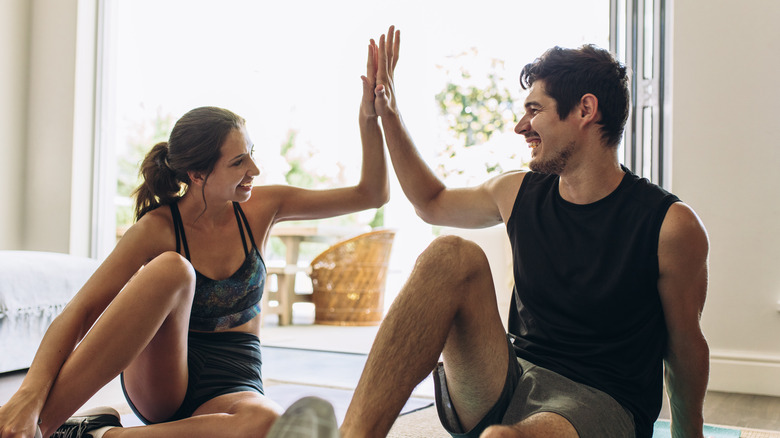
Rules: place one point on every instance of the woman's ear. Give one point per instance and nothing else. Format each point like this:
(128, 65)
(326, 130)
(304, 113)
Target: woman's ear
(197, 178)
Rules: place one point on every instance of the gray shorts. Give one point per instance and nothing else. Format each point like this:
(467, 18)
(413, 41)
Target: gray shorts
(530, 390)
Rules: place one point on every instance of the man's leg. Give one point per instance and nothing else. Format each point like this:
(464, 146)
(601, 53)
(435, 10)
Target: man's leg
(447, 305)
(542, 425)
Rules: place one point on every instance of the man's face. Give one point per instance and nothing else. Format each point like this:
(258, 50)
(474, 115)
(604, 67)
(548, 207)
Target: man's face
(551, 139)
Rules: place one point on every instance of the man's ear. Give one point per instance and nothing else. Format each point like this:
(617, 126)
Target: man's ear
(198, 178)
(589, 109)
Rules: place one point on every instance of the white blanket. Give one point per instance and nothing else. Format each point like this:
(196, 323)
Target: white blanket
(34, 288)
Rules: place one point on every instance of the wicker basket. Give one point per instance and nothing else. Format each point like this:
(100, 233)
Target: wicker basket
(348, 280)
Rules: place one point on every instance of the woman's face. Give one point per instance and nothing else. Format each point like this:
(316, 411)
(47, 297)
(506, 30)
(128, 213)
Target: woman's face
(233, 173)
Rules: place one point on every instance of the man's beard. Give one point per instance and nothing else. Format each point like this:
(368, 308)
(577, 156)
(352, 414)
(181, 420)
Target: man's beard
(553, 165)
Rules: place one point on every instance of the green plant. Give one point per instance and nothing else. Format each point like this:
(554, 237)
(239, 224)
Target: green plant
(473, 109)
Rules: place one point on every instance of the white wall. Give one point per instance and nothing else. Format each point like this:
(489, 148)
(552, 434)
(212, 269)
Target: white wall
(14, 47)
(48, 68)
(725, 107)
(726, 158)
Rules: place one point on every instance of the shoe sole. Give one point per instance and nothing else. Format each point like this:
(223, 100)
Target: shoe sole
(308, 417)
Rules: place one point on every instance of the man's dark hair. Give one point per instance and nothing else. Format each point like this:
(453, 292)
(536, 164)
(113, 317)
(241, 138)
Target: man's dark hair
(569, 74)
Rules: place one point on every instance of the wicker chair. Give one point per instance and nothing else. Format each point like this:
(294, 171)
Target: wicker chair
(348, 280)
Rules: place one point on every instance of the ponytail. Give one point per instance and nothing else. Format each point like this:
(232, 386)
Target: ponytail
(160, 185)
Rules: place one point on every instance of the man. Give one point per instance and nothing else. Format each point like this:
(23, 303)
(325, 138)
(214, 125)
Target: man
(610, 273)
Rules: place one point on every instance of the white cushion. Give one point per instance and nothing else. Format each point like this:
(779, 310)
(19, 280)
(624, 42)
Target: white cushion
(34, 288)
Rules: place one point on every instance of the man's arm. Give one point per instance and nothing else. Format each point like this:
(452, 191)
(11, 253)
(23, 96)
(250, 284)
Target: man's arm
(475, 207)
(682, 256)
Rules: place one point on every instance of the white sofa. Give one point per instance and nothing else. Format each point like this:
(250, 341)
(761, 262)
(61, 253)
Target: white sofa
(34, 288)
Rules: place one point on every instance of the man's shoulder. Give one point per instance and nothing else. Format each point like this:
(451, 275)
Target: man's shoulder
(646, 192)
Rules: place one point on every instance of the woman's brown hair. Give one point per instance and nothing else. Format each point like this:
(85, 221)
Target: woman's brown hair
(193, 146)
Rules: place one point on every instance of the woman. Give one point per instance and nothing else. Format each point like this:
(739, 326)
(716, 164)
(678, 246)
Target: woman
(175, 306)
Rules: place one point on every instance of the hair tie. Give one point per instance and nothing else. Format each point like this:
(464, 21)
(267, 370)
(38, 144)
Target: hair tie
(162, 157)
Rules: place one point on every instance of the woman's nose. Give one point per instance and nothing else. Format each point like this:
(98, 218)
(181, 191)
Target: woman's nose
(253, 169)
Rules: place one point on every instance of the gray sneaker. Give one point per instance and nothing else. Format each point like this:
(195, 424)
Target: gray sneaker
(309, 417)
(82, 423)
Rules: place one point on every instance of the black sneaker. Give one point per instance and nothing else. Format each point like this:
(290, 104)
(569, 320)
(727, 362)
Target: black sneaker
(81, 424)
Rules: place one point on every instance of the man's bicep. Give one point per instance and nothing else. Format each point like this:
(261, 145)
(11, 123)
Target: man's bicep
(481, 206)
(682, 257)
(462, 208)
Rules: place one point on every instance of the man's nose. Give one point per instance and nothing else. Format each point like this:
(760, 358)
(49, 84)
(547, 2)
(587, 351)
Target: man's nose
(522, 126)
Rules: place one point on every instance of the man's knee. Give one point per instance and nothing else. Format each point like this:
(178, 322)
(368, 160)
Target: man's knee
(456, 254)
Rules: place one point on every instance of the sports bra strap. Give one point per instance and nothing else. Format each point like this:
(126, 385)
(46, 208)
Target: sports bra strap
(181, 239)
(240, 228)
(178, 227)
(240, 212)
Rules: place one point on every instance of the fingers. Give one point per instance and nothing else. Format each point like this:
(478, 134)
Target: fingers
(371, 63)
(381, 60)
(392, 49)
(386, 59)
(390, 44)
(396, 47)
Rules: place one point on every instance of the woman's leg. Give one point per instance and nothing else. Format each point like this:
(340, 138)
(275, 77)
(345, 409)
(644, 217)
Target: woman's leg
(240, 415)
(143, 330)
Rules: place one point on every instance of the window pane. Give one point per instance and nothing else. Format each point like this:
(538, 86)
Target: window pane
(647, 142)
(293, 71)
(649, 38)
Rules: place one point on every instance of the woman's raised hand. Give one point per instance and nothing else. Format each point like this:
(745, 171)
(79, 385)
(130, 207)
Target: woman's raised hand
(369, 83)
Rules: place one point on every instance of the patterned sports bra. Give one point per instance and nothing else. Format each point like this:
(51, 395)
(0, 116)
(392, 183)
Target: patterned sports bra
(228, 303)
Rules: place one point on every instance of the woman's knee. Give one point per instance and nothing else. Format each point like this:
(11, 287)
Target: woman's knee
(168, 277)
(171, 267)
(254, 420)
(173, 261)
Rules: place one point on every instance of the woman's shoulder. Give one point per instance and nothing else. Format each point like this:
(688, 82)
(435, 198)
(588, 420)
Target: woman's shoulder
(159, 217)
(154, 227)
(147, 238)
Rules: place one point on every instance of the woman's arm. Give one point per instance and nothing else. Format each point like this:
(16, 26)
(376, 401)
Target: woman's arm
(373, 189)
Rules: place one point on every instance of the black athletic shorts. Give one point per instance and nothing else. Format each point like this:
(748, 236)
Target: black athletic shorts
(219, 363)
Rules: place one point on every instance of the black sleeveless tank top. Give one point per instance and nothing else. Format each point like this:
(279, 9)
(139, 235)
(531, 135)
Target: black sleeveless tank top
(228, 303)
(586, 302)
